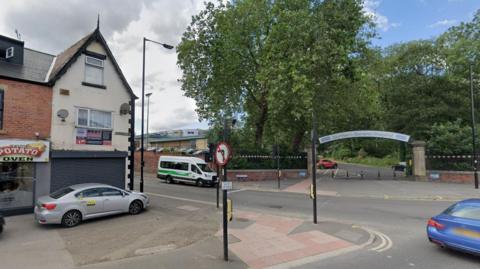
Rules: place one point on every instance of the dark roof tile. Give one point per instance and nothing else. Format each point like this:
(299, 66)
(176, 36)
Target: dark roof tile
(35, 66)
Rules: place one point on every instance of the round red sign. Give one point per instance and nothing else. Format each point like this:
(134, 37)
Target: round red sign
(223, 153)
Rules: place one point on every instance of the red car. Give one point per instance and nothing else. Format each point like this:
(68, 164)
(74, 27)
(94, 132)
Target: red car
(326, 164)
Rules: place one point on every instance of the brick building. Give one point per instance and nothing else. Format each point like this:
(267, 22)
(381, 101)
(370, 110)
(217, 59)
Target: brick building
(25, 124)
(64, 120)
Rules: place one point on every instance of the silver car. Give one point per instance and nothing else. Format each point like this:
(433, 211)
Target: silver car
(70, 205)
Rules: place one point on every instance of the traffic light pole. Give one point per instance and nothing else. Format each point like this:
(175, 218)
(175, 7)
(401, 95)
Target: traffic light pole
(314, 167)
(225, 179)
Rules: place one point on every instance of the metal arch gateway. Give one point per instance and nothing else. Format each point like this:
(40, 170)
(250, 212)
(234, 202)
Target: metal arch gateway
(365, 133)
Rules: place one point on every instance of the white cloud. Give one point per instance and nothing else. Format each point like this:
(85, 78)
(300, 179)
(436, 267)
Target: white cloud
(443, 23)
(382, 22)
(53, 25)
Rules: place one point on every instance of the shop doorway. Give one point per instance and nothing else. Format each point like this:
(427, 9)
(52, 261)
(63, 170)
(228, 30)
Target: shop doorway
(17, 186)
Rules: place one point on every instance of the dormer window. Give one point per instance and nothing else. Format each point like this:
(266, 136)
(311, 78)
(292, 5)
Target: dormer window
(93, 70)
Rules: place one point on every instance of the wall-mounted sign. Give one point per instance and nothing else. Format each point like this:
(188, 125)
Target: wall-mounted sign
(24, 150)
(86, 136)
(372, 134)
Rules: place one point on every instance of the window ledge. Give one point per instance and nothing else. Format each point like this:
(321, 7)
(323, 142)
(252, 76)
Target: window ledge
(3, 132)
(94, 85)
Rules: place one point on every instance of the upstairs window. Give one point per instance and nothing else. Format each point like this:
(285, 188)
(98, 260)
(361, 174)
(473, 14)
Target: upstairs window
(96, 119)
(93, 70)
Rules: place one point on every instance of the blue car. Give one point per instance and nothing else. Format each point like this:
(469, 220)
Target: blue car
(458, 227)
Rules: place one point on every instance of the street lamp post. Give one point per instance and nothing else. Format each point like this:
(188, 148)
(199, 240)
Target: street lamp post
(148, 116)
(474, 149)
(142, 148)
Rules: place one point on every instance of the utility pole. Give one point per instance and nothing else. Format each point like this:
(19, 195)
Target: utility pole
(474, 149)
(314, 164)
(142, 146)
(142, 134)
(148, 117)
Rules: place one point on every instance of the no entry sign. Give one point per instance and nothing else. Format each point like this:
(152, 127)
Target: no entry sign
(223, 153)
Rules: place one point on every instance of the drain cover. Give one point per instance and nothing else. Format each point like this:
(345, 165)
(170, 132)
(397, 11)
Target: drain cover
(275, 206)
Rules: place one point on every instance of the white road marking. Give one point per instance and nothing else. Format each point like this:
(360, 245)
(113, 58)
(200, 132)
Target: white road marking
(237, 190)
(181, 199)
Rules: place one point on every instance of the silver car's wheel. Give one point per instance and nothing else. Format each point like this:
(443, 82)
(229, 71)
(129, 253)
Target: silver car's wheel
(135, 207)
(71, 218)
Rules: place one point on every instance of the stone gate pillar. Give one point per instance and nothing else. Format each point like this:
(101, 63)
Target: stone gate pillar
(419, 169)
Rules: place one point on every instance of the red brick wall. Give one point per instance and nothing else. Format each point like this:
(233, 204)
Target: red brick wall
(151, 163)
(27, 109)
(462, 177)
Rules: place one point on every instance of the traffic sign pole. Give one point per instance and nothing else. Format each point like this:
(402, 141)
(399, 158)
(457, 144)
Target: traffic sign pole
(218, 184)
(223, 154)
(225, 221)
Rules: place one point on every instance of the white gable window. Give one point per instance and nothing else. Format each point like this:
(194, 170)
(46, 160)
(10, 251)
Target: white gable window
(90, 118)
(93, 70)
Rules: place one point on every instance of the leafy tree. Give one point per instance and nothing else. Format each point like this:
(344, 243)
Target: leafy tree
(220, 55)
(451, 137)
(417, 92)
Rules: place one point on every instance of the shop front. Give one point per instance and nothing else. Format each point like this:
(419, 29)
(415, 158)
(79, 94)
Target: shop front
(23, 165)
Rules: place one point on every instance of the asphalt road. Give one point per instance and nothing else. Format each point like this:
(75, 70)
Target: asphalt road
(402, 221)
(367, 172)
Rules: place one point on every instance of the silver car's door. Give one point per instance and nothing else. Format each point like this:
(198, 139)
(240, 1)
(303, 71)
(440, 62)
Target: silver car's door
(91, 200)
(114, 200)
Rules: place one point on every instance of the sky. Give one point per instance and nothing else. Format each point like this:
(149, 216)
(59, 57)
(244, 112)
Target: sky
(53, 25)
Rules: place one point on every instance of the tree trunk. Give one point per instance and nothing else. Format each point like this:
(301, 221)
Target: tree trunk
(298, 139)
(260, 123)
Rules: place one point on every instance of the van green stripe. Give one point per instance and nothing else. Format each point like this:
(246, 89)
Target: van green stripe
(173, 173)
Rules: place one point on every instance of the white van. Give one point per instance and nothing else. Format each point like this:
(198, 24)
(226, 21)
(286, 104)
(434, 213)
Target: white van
(185, 169)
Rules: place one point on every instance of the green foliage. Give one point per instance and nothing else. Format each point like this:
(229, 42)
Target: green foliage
(273, 61)
(426, 82)
(276, 63)
(450, 138)
(387, 161)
